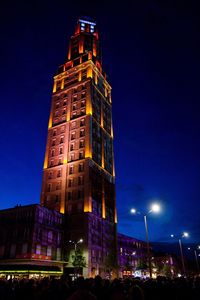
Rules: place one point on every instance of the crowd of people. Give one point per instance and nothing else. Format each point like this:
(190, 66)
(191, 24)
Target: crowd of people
(100, 289)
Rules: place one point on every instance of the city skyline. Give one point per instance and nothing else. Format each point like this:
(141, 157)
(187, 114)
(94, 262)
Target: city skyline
(156, 130)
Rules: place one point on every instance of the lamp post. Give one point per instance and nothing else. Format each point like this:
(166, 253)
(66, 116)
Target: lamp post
(155, 208)
(184, 234)
(196, 257)
(75, 248)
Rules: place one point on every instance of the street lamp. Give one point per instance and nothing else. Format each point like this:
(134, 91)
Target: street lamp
(196, 256)
(75, 248)
(183, 235)
(155, 208)
(76, 243)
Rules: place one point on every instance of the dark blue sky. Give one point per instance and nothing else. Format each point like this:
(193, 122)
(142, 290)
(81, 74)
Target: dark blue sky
(151, 54)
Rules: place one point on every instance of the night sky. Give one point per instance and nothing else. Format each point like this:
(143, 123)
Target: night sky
(151, 55)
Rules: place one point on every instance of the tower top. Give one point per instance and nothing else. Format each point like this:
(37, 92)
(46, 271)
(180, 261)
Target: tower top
(85, 40)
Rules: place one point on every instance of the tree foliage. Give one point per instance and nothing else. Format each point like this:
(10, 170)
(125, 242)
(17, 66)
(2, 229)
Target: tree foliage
(78, 260)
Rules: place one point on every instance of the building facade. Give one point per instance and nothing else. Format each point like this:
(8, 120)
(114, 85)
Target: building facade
(132, 256)
(79, 176)
(31, 241)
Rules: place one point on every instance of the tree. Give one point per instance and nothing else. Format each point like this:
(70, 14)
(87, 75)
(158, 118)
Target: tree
(78, 261)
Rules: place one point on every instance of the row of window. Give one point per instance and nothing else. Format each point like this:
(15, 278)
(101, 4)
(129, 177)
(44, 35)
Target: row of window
(75, 106)
(75, 133)
(72, 182)
(52, 175)
(74, 91)
(75, 195)
(74, 168)
(53, 186)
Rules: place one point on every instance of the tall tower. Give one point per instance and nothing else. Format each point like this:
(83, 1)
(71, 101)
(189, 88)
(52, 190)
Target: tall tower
(79, 176)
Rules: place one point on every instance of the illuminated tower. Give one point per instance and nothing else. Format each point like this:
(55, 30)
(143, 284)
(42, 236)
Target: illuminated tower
(78, 177)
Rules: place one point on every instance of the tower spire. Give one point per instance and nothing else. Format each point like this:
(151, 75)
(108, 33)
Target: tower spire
(85, 40)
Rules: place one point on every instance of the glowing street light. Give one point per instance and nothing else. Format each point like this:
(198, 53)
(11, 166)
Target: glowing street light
(155, 208)
(183, 235)
(76, 243)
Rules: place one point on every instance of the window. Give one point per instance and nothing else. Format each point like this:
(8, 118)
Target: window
(56, 113)
(74, 107)
(72, 156)
(82, 122)
(57, 105)
(61, 139)
(73, 124)
(82, 112)
(51, 163)
(80, 194)
(60, 161)
(52, 152)
(59, 173)
(50, 236)
(81, 155)
(81, 143)
(83, 95)
(58, 185)
(74, 98)
(61, 151)
(64, 102)
(70, 183)
(72, 147)
(53, 142)
(74, 114)
(49, 187)
(81, 167)
(50, 175)
(62, 128)
(38, 249)
(73, 135)
(49, 250)
(71, 169)
(80, 180)
(82, 103)
(82, 132)
(64, 111)
(54, 132)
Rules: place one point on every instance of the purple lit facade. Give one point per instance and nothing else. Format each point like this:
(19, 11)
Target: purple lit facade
(31, 241)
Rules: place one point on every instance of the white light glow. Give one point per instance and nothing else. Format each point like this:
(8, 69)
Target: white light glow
(185, 234)
(133, 210)
(155, 208)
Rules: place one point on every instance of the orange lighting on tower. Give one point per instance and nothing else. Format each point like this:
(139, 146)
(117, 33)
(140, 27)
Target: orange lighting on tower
(50, 121)
(54, 87)
(94, 49)
(79, 176)
(81, 46)
(79, 76)
(45, 161)
(89, 72)
(88, 205)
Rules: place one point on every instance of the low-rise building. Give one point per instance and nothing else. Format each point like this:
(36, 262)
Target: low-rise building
(31, 241)
(132, 256)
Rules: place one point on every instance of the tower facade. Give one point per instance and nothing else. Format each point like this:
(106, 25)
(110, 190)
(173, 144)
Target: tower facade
(79, 176)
